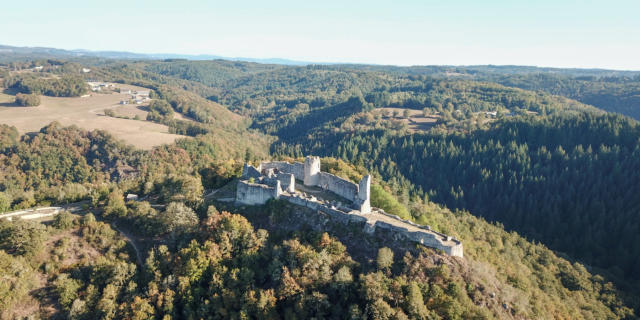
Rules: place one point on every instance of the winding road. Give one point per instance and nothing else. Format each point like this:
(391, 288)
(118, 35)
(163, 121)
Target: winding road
(35, 213)
(131, 240)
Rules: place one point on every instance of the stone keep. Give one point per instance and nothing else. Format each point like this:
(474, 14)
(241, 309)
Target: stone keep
(311, 171)
(364, 194)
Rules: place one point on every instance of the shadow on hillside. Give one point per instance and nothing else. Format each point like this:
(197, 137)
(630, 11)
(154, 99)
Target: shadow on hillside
(10, 105)
(284, 221)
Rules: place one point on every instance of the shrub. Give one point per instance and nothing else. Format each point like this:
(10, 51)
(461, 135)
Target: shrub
(64, 220)
(5, 202)
(88, 219)
(380, 198)
(385, 258)
(179, 217)
(22, 237)
(27, 100)
(115, 204)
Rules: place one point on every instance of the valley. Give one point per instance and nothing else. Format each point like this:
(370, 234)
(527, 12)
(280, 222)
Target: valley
(516, 176)
(321, 160)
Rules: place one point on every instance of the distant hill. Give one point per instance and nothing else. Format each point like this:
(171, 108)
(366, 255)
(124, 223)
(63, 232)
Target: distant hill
(504, 146)
(8, 53)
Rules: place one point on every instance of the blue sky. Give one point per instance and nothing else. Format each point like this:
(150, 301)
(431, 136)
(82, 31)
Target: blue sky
(560, 33)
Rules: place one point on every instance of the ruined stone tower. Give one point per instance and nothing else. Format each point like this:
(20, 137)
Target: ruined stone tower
(311, 171)
(364, 194)
(277, 180)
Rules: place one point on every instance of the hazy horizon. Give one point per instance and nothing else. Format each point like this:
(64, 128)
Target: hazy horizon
(557, 34)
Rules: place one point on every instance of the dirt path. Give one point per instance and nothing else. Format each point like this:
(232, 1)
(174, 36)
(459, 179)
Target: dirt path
(131, 240)
(72, 207)
(210, 194)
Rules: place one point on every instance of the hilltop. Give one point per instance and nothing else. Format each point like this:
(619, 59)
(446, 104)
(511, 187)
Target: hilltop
(502, 275)
(446, 146)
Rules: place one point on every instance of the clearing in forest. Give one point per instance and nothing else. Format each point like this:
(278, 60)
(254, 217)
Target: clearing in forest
(416, 120)
(88, 113)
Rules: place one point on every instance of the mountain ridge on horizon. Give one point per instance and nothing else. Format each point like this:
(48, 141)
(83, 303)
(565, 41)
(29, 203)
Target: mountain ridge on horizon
(115, 54)
(127, 55)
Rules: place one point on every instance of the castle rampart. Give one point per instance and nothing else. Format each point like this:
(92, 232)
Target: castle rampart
(296, 168)
(337, 185)
(309, 173)
(254, 193)
(276, 180)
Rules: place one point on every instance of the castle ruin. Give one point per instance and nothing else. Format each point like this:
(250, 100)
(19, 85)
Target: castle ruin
(306, 185)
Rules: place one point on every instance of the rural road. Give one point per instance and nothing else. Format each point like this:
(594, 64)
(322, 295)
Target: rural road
(33, 213)
(77, 206)
(131, 241)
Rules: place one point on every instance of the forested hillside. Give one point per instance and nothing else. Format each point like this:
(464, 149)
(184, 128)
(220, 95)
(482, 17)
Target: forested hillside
(569, 182)
(613, 94)
(61, 165)
(210, 73)
(200, 260)
(502, 144)
(559, 164)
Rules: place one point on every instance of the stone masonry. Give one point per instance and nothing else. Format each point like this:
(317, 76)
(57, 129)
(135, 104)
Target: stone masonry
(277, 180)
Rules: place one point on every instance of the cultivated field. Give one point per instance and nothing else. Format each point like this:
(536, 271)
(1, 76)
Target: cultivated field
(88, 113)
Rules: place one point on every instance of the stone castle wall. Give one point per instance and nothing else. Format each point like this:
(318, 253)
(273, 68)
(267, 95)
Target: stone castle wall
(337, 185)
(254, 193)
(296, 168)
(287, 181)
(427, 237)
(249, 172)
(257, 194)
(324, 180)
(430, 239)
(313, 204)
(272, 177)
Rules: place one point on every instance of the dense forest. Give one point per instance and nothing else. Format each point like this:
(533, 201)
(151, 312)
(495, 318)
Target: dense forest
(613, 94)
(217, 263)
(521, 173)
(613, 91)
(65, 86)
(507, 145)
